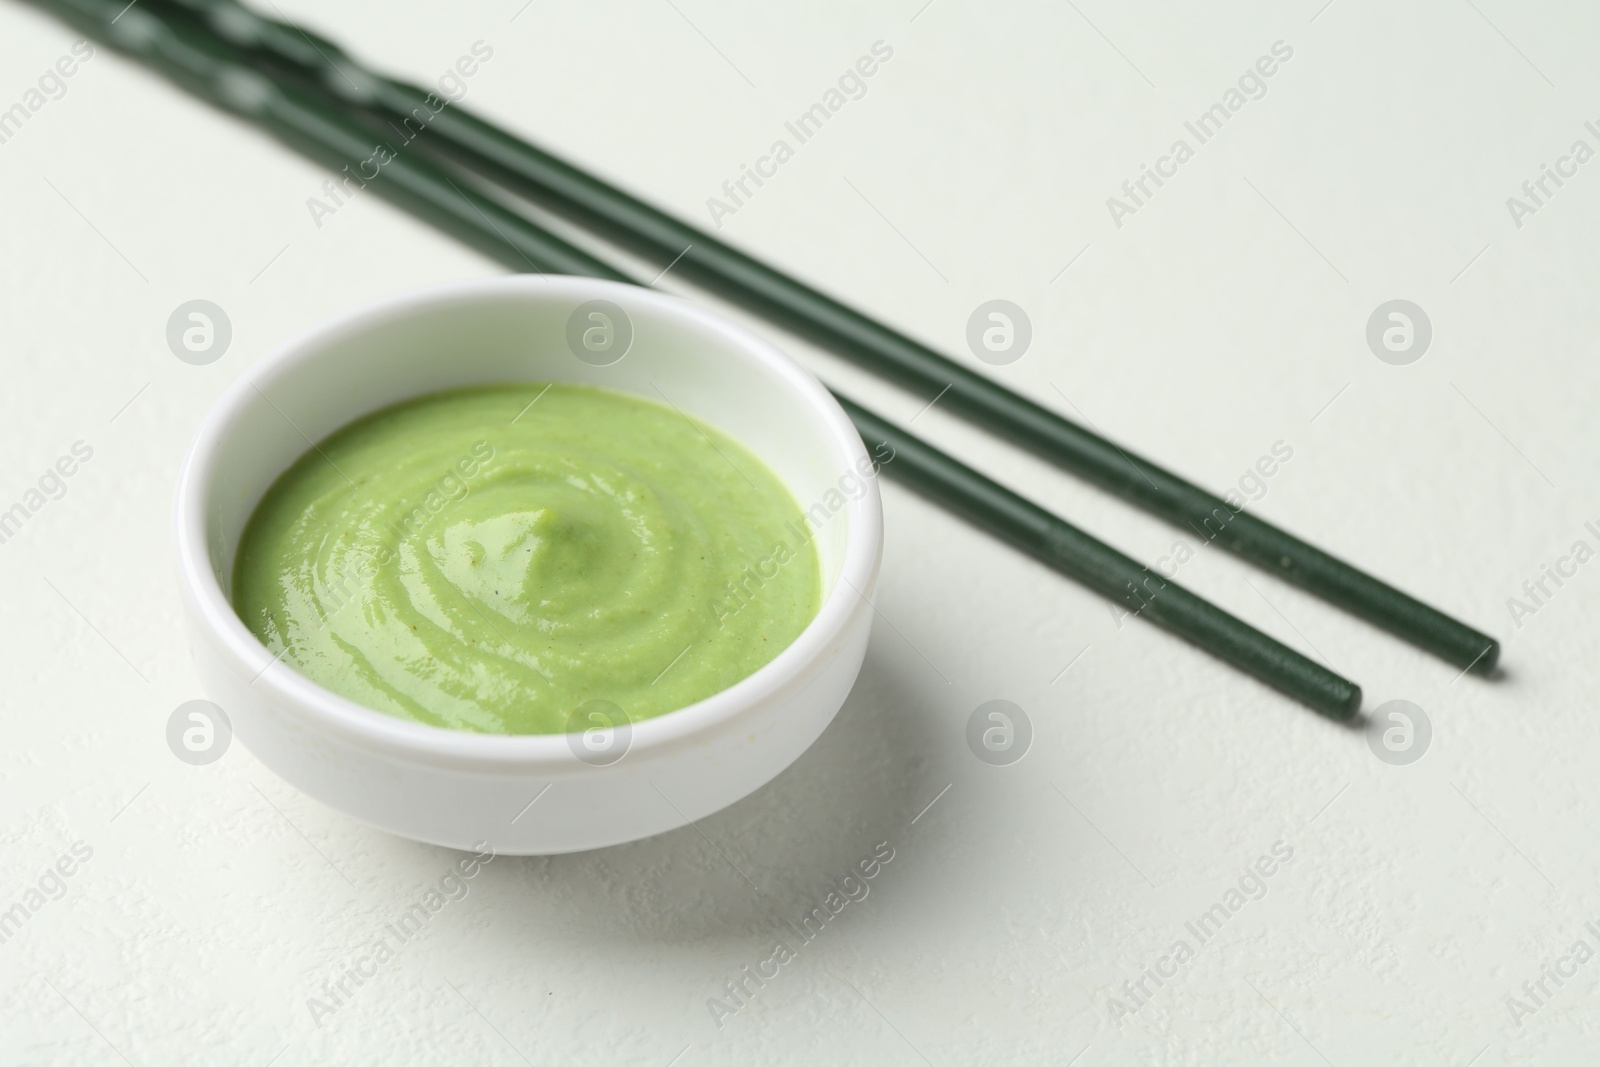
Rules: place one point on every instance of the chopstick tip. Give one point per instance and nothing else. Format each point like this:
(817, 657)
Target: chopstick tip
(1488, 661)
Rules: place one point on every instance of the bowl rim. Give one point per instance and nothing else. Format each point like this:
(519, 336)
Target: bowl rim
(432, 745)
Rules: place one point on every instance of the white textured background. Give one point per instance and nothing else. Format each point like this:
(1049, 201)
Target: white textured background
(1226, 315)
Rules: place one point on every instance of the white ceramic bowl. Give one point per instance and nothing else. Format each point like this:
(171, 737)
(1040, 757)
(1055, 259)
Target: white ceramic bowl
(460, 789)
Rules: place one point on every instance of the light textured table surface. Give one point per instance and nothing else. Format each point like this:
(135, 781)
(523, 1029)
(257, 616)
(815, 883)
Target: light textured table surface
(1225, 314)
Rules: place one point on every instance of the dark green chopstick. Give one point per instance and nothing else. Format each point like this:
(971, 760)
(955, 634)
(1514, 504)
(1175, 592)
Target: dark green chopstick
(459, 137)
(209, 67)
(1065, 548)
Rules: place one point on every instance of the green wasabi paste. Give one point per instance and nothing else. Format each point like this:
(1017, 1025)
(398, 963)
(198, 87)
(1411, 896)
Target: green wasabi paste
(490, 559)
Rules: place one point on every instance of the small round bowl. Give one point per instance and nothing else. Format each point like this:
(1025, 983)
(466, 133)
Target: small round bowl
(462, 789)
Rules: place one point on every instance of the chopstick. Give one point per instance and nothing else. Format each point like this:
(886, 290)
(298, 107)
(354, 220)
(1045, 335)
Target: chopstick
(1067, 549)
(208, 66)
(463, 139)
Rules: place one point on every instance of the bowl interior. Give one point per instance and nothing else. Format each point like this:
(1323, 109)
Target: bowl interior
(517, 329)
